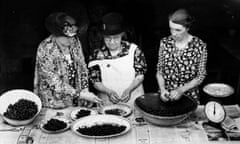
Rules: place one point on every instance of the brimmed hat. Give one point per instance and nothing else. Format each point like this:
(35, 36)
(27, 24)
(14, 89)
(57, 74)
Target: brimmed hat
(112, 24)
(59, 24)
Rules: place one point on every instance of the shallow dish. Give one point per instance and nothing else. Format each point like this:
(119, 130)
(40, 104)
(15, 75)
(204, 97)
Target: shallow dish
(44, 122)
(117, 109)
(218, 90)
(76, 114)
(13, 96)
(98, 120)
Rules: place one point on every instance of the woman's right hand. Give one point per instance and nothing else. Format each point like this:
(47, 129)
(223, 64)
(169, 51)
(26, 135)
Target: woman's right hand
(57, 104)
(165, 95)
(91, 97)
(113, 96)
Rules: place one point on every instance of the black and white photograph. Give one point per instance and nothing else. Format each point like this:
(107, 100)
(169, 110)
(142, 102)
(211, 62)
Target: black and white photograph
(119, 71)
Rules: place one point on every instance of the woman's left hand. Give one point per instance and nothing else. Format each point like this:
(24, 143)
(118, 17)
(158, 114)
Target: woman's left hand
(176, 94)
(126, 96)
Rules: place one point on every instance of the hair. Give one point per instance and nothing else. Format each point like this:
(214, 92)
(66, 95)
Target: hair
(182, 17)
(56, 22)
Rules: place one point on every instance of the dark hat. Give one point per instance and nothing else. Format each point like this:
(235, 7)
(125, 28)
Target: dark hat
(59, 24)
(112, 24)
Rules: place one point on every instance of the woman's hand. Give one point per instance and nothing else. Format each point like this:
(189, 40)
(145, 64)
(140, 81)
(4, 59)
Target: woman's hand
(90, 97)
(126, 96)
(113, 96)
(57, 104)
(165, 95)
(176, 94)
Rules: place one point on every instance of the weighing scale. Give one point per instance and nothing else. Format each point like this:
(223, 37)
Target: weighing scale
(214, 110)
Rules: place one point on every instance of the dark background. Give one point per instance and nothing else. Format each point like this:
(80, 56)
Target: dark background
(22, 29)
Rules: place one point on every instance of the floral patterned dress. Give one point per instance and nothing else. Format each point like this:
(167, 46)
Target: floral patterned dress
(58, 77)
(181, 66)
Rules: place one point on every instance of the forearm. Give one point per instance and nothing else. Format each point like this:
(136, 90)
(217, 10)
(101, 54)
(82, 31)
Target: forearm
(136, 82)
(101, 88)
(201, 72)
(160, 81)
(191, 84)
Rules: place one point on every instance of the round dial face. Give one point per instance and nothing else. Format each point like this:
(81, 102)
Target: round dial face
(215, 112)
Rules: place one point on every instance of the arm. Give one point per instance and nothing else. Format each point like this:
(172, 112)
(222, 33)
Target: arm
(47, 65)
(95, 79)
(81, 68)
(201, 72)
(140, 67)
(113, 96)
(160, 80)
(135, 83)
(198, 79)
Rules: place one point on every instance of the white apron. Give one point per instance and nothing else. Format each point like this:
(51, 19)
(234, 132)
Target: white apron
(118, 74)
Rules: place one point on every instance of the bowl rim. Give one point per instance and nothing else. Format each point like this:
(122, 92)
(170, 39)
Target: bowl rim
(76, 110)
(231, 89)
(26, 121)
(121, 106)
(162, 117)
(127, 123)
(43, 122)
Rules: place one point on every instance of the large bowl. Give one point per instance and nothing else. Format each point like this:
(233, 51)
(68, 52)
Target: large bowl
(11, 97)
(150, 105)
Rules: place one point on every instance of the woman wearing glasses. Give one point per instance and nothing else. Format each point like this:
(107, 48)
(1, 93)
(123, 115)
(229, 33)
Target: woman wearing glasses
(61, 75)
(117, 68)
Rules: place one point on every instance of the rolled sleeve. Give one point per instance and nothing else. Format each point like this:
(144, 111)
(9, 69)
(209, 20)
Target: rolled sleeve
(160, 57)
(202, 65)
(95, 74)
(140, 64)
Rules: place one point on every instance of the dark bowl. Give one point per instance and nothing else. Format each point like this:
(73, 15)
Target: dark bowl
(157, 112)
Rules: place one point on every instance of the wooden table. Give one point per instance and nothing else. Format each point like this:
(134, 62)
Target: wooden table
(189, 131)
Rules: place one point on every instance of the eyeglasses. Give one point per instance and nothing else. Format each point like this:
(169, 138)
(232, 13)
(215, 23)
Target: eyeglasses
(113, 39)
(70, 29)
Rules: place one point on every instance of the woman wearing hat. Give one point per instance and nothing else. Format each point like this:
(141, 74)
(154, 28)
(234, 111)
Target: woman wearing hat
(182, 60)
(117, 68)
(61, 74)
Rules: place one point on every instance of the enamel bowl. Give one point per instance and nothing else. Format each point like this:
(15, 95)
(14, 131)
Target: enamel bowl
(11, 97)
(161, 113)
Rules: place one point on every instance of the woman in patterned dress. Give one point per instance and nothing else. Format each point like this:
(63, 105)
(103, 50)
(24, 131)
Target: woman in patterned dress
(61, 75)
(182, 60)
(117, 68)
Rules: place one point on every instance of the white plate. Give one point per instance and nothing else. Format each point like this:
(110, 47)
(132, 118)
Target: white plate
(92, 120)
(58, 131)
(218, 90)
(125, 109)
(75, 112)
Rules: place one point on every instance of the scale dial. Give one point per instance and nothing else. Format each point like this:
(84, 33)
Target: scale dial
(215, 112)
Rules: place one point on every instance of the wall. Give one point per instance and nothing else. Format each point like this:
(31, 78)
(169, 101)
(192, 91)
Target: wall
(22, 29)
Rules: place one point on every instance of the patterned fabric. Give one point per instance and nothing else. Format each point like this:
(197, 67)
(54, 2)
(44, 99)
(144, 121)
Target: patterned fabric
(140, 65)
(181, 66)
(58, 78)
